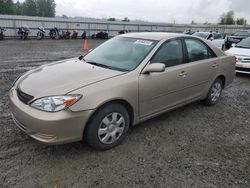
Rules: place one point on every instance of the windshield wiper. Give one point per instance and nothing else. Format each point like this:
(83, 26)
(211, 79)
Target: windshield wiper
(105, 66)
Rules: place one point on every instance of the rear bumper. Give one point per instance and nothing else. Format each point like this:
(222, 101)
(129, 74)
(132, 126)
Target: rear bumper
(51, 128)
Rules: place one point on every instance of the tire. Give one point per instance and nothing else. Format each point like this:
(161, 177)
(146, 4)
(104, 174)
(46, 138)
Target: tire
(223, 47)
(39, 36)
(214, 93)
(108, 127)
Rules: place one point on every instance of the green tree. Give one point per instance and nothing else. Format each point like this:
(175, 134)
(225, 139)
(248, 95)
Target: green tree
(126, 19)
(227, 18)
(46, 8)
(18, 8)
(64, 16)
(6, 7)
(111, 19)
(241, 21)
(30, 8)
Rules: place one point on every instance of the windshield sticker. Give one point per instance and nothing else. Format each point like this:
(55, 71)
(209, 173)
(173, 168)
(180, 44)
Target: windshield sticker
(144, 42)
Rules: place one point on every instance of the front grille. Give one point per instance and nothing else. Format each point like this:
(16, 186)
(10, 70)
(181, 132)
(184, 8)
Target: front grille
(25, 98)
(243, 69)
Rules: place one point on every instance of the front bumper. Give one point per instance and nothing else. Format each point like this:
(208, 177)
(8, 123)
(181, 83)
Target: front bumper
(242, 67)
(52, 128)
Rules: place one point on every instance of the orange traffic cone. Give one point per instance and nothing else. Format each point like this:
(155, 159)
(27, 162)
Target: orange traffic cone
(85, 46)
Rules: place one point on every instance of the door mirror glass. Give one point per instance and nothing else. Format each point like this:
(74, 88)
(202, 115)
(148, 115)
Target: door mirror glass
(155, 67)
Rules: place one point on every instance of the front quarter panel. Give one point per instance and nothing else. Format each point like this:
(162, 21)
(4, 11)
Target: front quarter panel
(124, 87)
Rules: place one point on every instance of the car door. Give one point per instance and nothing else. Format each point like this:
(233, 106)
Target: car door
(201, 69)
(160, 91)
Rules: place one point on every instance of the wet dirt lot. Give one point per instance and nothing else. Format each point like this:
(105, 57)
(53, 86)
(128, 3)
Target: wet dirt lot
(194, 146)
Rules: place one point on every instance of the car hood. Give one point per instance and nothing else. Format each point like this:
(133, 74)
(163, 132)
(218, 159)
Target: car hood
(62, 77)
(239, 51)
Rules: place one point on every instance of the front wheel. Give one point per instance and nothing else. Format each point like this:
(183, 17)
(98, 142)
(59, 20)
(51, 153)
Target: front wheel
(108, 127)
(214, 93)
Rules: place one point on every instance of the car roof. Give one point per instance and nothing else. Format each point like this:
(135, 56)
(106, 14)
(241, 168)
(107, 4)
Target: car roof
(153, 35)
(202, 32)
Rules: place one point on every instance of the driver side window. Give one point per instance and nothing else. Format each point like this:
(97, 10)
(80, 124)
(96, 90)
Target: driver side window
(170, 54)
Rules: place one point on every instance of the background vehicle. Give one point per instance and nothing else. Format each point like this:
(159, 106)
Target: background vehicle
(216, 38)
(74, 34)
(100, 35)
(242, 53)
(235, 38)
(139, 76)
(23, 32)
(122, 32)
(54, 33)
(41, 33)
(2, 33)
(188, 32)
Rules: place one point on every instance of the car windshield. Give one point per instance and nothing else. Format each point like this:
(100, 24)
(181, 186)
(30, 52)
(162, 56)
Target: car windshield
(202, 35)
(245, 43)
(120, 53)
(242, 33)
(218, 36)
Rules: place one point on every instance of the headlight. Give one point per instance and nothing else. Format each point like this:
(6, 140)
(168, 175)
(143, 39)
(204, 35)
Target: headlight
(55, 103)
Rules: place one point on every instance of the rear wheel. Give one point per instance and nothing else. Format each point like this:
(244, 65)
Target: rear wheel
(214, 93)
(108, 127)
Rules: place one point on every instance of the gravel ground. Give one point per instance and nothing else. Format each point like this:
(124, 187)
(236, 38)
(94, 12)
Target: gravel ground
(194, 146)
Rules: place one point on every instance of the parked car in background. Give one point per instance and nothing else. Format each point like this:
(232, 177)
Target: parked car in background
(23, 32)
(2, 33)
(188, 32)
(216, 38)
(122, 32)
(126, 80)
(100, 35)
(242, 53)
(236, 38)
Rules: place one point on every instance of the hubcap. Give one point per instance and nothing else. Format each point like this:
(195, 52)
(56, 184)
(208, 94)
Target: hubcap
(111, 128)
(216, 92)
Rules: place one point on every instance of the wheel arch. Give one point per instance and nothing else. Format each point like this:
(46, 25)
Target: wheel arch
(122, 102)
(223, 79)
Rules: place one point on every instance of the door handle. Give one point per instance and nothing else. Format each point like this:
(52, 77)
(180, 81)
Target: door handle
(183, 74)
(215, 65)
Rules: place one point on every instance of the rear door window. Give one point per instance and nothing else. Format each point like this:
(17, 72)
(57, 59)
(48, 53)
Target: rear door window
(197, 50)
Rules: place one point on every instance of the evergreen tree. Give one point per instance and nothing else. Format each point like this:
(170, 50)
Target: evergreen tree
(18, 8)
(29, 8)
(46, 8)
(227, 18)
(6, 7)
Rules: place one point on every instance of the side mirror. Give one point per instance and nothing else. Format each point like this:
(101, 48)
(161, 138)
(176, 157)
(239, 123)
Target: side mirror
(233, 45)
(212, 38)
(154, 67)
(80, 57)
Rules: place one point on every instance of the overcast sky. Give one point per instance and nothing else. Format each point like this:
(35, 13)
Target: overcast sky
(180, 11)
